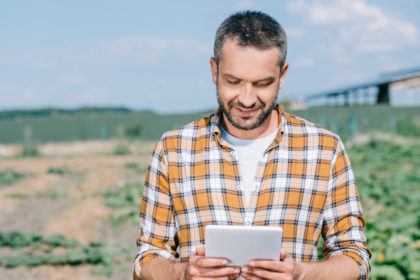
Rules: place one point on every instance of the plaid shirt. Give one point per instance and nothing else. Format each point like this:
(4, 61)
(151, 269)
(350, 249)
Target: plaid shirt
(304, 184)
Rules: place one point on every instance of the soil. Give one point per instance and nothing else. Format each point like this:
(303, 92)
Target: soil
(71, 205)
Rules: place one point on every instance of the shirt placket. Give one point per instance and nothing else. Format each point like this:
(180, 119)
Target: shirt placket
(239, 191)
(248, 211)
(239, 187)
(251, 208)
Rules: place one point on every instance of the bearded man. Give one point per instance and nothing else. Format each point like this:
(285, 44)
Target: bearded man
(251, 163)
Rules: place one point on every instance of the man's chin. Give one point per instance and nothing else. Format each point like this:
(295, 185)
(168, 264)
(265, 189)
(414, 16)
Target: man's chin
(245, 123)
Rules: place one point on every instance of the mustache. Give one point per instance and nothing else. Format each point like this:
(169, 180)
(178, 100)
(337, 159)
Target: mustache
(233, 103)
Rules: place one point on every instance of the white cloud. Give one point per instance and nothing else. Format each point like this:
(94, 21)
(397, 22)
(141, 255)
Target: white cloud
(362, 27)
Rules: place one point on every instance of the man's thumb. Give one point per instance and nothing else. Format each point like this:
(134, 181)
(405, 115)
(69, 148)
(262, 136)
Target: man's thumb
(199, 250)
(283, 254)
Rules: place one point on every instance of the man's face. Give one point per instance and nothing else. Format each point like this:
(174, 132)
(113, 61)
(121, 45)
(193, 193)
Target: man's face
(247, 81)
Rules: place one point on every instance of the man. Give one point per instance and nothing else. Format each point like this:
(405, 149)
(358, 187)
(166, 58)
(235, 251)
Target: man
(251, 163)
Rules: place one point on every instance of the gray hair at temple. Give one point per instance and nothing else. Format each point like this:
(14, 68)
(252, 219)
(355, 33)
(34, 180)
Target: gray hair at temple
(252, 28)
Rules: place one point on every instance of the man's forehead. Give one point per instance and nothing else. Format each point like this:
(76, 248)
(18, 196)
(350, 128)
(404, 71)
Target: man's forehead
(249, 62)
(232, 43)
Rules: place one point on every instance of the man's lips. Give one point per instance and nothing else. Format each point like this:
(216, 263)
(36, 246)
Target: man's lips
(246, 112)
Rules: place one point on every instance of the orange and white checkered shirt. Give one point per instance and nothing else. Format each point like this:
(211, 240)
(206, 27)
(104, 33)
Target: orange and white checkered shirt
(304, 184)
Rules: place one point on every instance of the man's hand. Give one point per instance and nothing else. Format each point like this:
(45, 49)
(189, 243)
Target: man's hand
(201, 267)
(283, 269)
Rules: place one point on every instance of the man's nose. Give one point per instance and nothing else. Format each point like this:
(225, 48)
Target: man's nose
(247, 96)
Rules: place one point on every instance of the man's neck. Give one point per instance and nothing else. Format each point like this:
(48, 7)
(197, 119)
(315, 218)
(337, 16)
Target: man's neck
(270, 125)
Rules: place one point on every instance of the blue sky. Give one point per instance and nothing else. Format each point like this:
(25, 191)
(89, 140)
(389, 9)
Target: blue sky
(154, 54)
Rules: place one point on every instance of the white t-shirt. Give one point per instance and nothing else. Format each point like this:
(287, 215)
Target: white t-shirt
(248, 153)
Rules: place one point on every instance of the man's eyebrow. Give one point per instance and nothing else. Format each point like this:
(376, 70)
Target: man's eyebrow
(227, 75)
(268, 79)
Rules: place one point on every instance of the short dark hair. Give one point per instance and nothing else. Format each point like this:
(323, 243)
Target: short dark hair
(252, 28)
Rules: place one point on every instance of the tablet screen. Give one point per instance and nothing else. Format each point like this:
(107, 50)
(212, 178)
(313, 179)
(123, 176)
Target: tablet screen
(240, 244)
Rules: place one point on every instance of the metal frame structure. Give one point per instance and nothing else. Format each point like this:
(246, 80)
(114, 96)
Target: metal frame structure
(379, 88)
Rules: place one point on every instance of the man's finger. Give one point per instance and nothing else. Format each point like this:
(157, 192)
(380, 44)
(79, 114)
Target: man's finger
(248, 276)
(211, 262)
(264, 274)
(277, 266)
(224, 271)
(216, 278)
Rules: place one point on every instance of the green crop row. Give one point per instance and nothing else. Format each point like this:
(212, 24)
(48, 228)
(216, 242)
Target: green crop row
(19, 239)
(89, 255)
(39, 250)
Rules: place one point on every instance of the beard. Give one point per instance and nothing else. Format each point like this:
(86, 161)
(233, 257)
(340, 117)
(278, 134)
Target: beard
(236, 122)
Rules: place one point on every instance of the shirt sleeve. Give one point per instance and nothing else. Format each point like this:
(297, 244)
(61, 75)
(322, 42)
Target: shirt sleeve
(343, 221)
(157, 226)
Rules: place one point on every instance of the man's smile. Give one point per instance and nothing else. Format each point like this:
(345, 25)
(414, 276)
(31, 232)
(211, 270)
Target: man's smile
(246, 113)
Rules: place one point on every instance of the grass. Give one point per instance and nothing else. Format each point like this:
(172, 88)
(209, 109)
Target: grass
(121, 150)
(124, 199)
(9, 177)
(18, 195)
(58, 170)
(140, 168)
(50, 194)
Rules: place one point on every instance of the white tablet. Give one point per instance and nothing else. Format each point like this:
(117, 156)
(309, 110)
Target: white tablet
(240, 244)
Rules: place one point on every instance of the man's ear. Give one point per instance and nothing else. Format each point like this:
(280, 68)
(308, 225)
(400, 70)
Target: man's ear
(283, 73)
(213, 65)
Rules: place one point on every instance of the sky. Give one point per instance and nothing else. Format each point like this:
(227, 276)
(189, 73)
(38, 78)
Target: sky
(154, 55)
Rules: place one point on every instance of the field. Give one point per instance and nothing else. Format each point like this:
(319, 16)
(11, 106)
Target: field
(104, 125)
(388, 176)
(69, 209)
(61, 127)
(70, 217)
